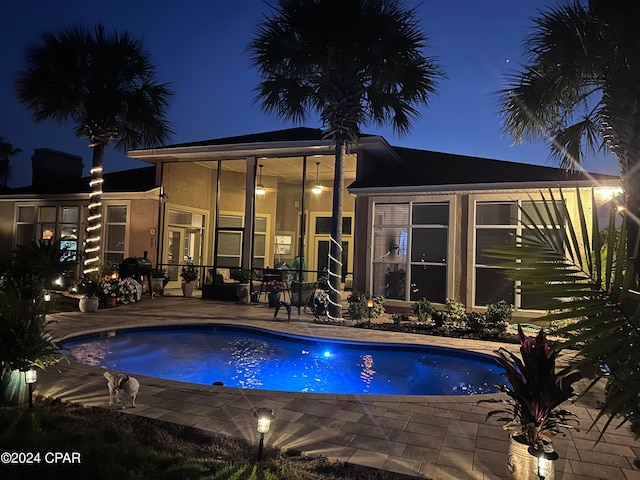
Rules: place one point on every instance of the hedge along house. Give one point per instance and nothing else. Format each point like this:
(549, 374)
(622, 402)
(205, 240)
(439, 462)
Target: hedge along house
(55, 207)
(415, 222)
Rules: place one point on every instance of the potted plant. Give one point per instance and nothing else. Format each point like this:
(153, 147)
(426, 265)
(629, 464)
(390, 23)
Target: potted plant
(90, 292)
(274, 289)
(158, 280)
(532, 413)
(243, 277)
(24, 343)
(189, 274)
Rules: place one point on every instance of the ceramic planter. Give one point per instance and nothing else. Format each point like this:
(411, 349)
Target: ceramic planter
(187, 289)
(88, 304)
(242, 292)
(520, 463)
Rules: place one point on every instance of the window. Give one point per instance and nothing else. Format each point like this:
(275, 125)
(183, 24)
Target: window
(25, 226)
(115, 233)
(410, 249)
(501, 223)
(230, 231)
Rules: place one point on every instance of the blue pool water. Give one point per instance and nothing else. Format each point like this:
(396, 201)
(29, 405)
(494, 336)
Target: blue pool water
(246, 357)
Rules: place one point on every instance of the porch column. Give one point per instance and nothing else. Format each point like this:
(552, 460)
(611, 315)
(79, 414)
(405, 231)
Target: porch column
(249, 211)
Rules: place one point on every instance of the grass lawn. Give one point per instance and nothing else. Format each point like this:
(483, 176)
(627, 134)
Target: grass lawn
(108, 444)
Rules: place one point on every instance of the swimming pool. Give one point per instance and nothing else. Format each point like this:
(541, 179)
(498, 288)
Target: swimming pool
(247, 357)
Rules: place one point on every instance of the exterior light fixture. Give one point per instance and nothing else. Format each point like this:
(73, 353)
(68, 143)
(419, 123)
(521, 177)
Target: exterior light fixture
(264, 417)
(47, 296)
(370, 307)
(30, 378)
(260, 190)
(545, 456)
(317, 188)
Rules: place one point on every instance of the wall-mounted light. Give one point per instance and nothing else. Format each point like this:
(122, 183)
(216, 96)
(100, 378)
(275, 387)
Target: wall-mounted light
(317, 188)
(264, 417)
(260, 190)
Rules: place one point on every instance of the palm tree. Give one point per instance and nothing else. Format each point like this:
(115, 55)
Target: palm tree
(350, 61)
(6, 152)
(581, 87)
(105, 86)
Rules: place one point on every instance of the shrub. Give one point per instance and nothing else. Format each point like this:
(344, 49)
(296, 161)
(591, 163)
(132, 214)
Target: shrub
(358, 309)
(399, 318)
(423, 310)
(454, 317)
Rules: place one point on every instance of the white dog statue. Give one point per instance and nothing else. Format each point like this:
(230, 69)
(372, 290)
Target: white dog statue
(122, 388)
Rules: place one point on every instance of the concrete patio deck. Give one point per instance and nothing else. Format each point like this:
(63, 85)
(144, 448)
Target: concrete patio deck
(435, 437)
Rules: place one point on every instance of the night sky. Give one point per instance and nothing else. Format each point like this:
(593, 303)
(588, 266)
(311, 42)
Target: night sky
(199, 48)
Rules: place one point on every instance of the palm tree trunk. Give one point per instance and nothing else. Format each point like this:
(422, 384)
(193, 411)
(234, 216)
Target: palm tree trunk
(94, 221)
(335, 247)
(621, 126)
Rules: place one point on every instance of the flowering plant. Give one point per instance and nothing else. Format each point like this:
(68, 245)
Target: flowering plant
(122, 289)
(275, 286)
(189, 273)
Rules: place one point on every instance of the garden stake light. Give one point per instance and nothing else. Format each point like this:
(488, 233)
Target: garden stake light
(30, 378)
(264, 417)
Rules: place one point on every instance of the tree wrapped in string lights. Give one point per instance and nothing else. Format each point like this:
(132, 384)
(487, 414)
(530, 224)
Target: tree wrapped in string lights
(103, 84)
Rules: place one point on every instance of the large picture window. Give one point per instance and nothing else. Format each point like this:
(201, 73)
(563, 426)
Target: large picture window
(502, 223)
(410, 250)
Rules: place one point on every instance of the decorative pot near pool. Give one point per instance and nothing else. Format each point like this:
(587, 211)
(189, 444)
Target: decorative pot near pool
(521, 464)
(187, 289)
(274, 299)
(88, 304)
(242, 292)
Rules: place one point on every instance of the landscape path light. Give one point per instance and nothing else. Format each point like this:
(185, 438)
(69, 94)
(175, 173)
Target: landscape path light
(30, 378)
(370, 307)
(264, 417)
(545, 456)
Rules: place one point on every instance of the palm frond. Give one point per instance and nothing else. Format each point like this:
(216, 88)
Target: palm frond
(577, 279)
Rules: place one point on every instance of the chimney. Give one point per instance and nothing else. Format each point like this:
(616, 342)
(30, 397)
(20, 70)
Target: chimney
(50, 167)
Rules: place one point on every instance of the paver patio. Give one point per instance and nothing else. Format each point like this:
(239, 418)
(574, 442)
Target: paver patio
(438, 437)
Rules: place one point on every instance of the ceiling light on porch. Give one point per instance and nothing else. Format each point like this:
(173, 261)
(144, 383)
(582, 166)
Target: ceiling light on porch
(317, 188)
(260, 190)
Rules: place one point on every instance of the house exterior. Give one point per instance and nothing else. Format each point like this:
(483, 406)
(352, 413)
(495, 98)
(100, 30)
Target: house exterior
(415, 222)
(54, 207)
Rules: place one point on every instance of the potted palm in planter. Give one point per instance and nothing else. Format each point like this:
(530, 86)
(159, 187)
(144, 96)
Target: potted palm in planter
(243, 277)
(25, 343)
(532, 413)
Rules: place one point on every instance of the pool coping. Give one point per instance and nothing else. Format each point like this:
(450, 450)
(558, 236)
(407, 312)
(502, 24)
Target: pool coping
(425, 436)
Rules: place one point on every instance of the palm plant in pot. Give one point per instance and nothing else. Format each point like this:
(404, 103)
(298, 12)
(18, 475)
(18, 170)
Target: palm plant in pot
(532, 412)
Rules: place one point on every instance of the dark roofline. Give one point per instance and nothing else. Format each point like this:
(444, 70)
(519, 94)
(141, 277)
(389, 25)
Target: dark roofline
(428, 169)
(135, 180)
